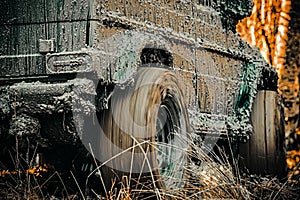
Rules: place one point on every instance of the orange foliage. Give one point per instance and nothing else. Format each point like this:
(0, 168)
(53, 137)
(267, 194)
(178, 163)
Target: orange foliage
(293, 157)
(37, 171)
(267, 29)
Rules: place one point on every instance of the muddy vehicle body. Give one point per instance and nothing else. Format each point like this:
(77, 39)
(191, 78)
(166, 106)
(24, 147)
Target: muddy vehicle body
(66, 64)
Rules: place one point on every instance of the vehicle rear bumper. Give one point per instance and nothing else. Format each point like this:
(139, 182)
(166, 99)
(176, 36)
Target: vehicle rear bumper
(45, 109)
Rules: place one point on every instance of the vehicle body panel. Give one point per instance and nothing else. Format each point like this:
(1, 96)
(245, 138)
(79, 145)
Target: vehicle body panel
(107, 38)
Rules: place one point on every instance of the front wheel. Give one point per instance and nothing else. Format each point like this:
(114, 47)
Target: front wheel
(145, 132)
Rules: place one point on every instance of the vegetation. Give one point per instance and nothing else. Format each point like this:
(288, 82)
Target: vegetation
(207, 176)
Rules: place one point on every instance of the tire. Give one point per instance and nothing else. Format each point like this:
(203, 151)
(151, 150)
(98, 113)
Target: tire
(265, 152)
(145, 132)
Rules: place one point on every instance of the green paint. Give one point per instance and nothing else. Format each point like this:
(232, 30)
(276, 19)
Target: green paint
(248, 79)
(125, 66)
(168, 171)
(239, 124)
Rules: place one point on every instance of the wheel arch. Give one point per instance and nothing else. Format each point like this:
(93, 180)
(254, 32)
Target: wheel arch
(125, 52)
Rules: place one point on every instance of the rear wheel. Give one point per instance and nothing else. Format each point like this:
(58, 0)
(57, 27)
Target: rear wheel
(145, 132)
(265, 152)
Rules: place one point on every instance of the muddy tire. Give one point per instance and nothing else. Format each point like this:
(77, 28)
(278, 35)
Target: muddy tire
(145, 132)
(265, 152)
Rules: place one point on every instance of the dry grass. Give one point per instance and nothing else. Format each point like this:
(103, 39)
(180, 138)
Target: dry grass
(216, 178)
(211, 178)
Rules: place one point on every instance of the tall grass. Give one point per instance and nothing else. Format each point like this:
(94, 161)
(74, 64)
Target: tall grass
(214, 177)
(210, 177)
(207, 176)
